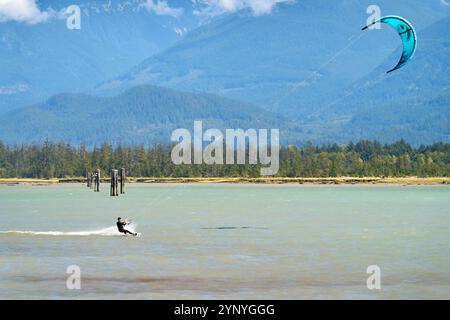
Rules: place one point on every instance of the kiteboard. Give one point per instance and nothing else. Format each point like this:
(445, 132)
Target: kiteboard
(138, 234)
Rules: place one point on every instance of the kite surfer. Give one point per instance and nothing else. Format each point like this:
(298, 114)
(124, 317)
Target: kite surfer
(120, 226)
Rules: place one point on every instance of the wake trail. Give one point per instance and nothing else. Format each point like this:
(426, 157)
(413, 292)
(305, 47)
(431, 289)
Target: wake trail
(110, 231)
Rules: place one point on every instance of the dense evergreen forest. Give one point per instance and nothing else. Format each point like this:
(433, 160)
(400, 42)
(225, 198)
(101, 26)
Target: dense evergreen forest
(365, 158)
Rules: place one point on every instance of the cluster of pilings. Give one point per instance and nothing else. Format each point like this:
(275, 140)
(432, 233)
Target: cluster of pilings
(118, 178)
(93, 180)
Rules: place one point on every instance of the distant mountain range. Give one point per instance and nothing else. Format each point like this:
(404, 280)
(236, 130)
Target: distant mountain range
(142, 115)
(38, 61)
(306, 69)
(294, 61)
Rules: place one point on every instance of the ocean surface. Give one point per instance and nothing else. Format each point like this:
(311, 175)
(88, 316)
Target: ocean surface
(214, 241)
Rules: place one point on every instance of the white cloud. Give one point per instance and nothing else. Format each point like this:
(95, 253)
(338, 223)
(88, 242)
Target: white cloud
(26, 11)
(9, 90)
(180, 31)
(218, 7)
(162, 8)
(445, 2)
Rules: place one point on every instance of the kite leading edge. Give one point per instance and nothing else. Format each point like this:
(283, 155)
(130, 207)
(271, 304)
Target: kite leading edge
(406, 33)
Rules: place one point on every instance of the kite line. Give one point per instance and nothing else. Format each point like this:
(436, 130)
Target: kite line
(314, 73)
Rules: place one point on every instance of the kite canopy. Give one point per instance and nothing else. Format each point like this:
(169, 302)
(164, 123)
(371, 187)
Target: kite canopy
(406, 33)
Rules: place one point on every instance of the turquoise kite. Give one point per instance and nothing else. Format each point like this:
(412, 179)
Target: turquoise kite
(406, 32)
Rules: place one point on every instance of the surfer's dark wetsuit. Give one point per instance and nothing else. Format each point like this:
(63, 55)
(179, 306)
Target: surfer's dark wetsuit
(120, 225)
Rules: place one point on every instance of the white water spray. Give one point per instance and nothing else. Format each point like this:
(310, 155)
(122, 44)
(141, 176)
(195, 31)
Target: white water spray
(110, 231)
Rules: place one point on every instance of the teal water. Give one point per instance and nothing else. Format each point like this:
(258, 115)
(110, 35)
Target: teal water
(226, 242)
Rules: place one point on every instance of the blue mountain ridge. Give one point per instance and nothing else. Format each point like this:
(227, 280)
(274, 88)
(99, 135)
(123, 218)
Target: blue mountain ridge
(141, 115)
(270, 61)
(294, 61)
(37, 61)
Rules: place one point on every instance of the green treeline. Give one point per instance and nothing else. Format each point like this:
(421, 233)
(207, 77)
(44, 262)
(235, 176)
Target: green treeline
(363, 159)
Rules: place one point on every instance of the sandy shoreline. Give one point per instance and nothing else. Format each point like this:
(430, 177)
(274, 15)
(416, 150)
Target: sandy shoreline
(265, 180)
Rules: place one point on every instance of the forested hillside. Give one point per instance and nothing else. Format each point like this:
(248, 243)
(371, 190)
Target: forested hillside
(365, 158)
(141, 115)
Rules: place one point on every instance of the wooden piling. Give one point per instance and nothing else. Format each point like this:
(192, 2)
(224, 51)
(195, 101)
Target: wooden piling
(114, 183)
(122, 180)
(88, 179)
(97, 180)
